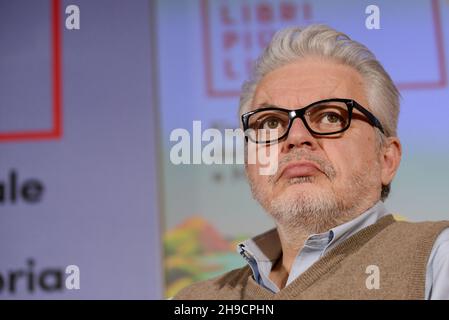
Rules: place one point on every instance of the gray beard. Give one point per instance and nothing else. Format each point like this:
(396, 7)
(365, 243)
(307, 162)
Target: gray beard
(319, 211)
(313, 212)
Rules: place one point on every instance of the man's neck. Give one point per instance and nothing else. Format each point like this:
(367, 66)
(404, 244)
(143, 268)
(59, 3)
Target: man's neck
(291, 246)
(292, 242)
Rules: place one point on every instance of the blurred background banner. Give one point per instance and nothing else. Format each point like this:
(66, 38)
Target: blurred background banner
(78, 175)
(86, 117)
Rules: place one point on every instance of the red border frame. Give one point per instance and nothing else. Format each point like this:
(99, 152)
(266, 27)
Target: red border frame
(56, 51)
(438, 32)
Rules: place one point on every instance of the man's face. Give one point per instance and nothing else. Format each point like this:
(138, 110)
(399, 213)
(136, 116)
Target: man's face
(318, 177)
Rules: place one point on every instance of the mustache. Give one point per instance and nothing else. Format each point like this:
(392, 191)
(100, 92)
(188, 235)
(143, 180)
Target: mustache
(298, 155)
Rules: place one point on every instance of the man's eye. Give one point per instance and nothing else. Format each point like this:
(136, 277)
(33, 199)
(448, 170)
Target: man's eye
(331, 118)
(271, 123)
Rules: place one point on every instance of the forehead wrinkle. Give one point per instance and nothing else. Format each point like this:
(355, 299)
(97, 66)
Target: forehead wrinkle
(295, 99)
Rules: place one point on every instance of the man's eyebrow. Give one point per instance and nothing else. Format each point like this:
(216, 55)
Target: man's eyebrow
(264, 105)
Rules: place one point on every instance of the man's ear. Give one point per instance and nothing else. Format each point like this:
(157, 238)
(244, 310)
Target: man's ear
(390, 159)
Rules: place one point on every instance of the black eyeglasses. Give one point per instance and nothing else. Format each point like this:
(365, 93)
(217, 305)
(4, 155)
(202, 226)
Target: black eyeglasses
(326, 117)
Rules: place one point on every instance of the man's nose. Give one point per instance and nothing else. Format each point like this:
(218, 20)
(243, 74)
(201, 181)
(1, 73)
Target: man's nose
(299, 137)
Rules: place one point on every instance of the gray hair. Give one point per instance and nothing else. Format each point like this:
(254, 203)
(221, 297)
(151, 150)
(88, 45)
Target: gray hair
(291, 44)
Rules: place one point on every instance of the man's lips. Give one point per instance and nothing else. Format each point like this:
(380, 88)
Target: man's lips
(299, 169)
